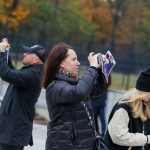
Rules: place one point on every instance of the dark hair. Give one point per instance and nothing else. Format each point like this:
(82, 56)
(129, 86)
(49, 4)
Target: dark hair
(55, 57)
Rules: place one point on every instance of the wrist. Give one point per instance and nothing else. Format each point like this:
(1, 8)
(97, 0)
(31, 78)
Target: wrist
(94, 67)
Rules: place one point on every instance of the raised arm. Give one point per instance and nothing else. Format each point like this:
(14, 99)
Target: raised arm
(100, 85)
(20, 78)
(62, 92)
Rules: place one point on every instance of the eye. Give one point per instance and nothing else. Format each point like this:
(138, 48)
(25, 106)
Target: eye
(74, 58)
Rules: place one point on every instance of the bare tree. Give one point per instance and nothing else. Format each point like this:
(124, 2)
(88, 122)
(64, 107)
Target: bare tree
(117, 9)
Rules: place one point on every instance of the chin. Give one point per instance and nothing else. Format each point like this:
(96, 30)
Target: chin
(24, 63)
(76, 73)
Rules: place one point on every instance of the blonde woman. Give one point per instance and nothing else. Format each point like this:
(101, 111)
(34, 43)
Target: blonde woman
(129, 121)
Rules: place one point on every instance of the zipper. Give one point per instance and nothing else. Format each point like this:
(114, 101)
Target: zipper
(143, 147)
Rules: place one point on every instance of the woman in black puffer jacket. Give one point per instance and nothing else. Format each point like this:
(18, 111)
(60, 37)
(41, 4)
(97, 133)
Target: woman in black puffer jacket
(68, 99)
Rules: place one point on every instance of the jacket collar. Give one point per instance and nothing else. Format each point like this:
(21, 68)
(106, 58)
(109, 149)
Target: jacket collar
(33, 66)
(63, 77)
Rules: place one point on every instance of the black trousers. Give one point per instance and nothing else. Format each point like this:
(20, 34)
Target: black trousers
(10, 147)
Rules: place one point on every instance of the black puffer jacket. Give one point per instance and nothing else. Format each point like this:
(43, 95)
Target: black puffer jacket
(70, 128)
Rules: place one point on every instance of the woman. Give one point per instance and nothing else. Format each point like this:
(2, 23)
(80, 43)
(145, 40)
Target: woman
(68, 99)
(129, 122)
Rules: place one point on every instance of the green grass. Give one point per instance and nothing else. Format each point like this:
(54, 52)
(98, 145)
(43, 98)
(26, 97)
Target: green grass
(120, 81)
(123, 81)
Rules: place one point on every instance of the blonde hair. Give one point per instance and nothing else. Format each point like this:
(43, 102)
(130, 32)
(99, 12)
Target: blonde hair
(138, 102)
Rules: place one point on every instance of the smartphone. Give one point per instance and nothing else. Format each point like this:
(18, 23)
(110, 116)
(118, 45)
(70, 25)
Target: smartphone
(99, 59)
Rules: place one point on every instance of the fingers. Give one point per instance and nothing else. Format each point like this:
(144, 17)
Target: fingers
(96, 59)
(5, 44)
(5, 40)
(93, 59)
(90, 55)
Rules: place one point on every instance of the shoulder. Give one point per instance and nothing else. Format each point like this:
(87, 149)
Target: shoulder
(123, 107)
(121, 112)
(57, 84)
(32, 69)
(57, 89)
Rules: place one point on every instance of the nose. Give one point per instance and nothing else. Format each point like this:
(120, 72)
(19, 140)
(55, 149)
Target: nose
(78, 63)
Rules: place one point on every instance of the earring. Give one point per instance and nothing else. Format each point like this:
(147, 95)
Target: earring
(63, 71)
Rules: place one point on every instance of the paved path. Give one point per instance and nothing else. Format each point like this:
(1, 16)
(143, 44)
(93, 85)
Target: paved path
(39, 137)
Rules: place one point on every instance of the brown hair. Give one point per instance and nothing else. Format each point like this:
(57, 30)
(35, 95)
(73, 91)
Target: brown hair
(55, 57)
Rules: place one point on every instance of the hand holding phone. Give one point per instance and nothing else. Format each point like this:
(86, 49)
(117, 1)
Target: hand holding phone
(4, 45)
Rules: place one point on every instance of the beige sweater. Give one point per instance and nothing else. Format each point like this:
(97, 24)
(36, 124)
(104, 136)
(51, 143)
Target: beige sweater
(119, 132)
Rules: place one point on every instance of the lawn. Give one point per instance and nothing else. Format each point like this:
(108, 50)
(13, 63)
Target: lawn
(123, 81)
(120, 81)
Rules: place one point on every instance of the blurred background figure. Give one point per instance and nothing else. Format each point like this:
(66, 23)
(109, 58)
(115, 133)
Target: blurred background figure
(99, 105)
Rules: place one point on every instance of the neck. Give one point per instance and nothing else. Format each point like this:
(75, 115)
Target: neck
(67, 73)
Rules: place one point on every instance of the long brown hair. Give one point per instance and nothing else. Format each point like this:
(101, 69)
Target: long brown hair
(55, 57)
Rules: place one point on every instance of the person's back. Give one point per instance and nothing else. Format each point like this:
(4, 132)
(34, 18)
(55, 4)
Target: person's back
(99, 108)
(18, 106)
(129, 121)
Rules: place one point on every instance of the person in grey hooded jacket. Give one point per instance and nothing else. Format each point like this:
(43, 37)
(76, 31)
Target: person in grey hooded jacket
(71, 125)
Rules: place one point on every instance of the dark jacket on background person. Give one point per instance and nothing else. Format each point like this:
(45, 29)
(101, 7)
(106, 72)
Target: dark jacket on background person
(18, 106)
(70, 128)
(135, 126)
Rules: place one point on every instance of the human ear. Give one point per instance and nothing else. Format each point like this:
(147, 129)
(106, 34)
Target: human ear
(62, 65)
(35, 60)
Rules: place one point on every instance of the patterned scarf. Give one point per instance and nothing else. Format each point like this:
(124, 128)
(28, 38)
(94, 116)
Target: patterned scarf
(67, 73)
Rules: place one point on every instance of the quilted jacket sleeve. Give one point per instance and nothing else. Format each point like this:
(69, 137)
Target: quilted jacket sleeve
(66, 93)
(100, 85)
(16, 77)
